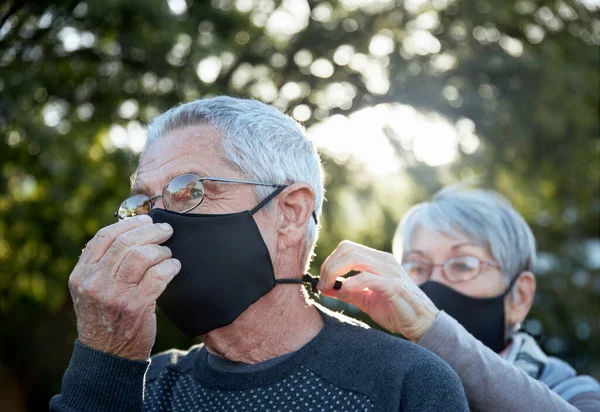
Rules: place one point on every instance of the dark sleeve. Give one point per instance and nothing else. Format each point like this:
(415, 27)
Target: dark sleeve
(432, 385)
(98, 381)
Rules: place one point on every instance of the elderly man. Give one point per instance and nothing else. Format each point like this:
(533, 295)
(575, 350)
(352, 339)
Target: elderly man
(219, 229)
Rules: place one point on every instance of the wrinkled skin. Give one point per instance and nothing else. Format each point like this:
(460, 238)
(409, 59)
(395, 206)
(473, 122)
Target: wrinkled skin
(382, 290)
(115, 284)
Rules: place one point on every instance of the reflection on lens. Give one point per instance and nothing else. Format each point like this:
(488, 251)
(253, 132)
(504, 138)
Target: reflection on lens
(134, 206)
(196, 193)
(462, 268)
(183, 193)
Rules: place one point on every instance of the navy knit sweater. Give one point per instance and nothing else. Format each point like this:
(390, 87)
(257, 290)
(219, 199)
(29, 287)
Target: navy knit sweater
(346, 367)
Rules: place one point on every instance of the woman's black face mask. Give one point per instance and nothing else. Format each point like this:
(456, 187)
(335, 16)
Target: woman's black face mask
(482, 318)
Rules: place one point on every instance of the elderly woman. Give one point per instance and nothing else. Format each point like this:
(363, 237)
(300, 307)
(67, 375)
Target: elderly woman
(463, 289)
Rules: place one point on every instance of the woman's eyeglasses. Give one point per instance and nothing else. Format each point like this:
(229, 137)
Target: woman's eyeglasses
(456, 269)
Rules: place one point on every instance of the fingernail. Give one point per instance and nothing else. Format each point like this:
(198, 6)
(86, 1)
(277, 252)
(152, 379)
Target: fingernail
(177, 262)
(166, 227)
(144, 219)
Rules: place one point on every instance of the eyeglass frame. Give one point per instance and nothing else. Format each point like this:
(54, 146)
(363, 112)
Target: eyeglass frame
(201, 179)
(445, 275)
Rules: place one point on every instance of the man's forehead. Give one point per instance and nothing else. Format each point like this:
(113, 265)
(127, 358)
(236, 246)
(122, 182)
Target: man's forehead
(191, 149)
(183, 139)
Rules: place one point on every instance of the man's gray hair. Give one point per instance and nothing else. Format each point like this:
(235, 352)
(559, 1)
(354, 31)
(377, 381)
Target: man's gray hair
(259, 141)
(484, 216)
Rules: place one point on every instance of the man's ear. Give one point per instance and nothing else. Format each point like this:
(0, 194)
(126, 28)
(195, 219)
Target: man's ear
(521, 298)
(296, 205)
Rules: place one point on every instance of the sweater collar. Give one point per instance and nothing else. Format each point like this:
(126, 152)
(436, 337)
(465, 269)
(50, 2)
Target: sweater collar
(303, 357)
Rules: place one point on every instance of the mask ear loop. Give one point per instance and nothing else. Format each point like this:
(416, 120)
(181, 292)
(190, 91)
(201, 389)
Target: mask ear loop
(517, 327)
(268, 199)
(311, 280)
(510, 285)
(306, 278)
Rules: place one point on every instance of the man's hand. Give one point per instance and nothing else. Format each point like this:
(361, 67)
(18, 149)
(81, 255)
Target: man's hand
(115, 284)
(382, 290)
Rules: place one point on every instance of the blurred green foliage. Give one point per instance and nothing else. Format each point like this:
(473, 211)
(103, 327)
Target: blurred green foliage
(77, 78)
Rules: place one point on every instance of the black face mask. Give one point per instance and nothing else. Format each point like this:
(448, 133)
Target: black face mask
(482, 318)
(225, 268)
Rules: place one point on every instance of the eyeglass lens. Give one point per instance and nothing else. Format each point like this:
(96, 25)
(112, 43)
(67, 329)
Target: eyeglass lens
(462, 268)
(133, 206)
(459, 269)
(181, 194)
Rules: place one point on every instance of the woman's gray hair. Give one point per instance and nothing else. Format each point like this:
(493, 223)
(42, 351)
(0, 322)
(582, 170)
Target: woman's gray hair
(259, 141)
(484, 216)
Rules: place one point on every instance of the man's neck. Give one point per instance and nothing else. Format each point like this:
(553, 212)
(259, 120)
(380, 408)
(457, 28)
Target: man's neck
(281, 322)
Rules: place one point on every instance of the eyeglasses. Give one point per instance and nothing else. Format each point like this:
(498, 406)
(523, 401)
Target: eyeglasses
(456, 269)
(182, 194)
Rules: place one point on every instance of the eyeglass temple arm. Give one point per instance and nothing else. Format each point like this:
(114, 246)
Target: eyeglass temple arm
(226, 180)
(223, 179)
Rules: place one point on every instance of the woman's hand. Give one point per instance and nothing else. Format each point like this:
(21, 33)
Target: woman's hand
(382, 290)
